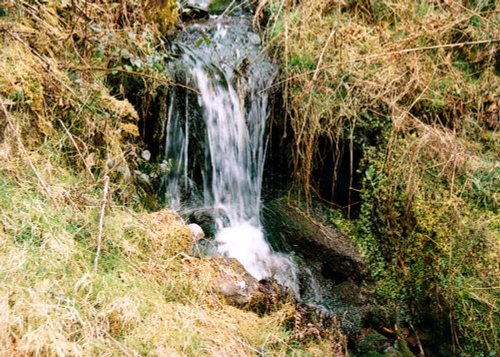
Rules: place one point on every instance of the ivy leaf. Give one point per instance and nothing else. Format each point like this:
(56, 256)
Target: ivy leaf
(475, 21)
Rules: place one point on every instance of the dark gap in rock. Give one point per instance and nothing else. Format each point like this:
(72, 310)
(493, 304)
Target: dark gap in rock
(333, 274)
(338, 181)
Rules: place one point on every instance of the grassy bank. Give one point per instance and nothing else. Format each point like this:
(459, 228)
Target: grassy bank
(408, 93)
(65, 69)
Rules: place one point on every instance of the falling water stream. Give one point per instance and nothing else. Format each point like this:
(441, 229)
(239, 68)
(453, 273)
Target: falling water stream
(216, 134)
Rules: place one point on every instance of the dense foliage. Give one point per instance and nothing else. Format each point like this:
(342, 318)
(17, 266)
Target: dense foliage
(408, 91)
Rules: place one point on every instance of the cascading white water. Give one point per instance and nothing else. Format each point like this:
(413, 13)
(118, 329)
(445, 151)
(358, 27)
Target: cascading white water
(232, 106)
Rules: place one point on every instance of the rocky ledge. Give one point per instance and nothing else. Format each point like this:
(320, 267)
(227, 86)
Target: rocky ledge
(294, 230)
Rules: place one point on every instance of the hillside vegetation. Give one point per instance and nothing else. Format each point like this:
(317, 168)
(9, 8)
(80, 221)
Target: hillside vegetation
(408, 94)
(63, 135)
(407, 91)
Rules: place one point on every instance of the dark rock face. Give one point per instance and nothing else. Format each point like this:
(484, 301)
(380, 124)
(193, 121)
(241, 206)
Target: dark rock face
(331, 269)
(332, 251)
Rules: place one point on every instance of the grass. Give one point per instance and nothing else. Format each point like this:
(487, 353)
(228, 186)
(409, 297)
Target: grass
(413, 87)
(319, 43)
(148, 297)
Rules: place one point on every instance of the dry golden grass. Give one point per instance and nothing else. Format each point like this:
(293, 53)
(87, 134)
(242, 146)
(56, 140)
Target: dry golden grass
(145, 298)
(386, 58)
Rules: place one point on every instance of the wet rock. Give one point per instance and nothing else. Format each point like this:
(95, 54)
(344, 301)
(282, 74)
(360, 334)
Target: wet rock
(240, 289)
(193, 13)
(372, 343)
(393, 352)
(196, 231)
(195, 4)
(206, 220)
(349, 293)
(292, 229)
(233, 282)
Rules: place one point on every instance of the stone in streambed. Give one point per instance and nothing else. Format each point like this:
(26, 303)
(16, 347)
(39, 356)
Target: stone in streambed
(240, 289)
(196, 231)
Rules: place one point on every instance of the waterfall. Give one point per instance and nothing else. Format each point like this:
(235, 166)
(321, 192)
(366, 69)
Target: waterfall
(216, 134)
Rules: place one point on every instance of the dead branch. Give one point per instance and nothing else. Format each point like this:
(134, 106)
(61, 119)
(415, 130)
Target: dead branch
(101, 221)
(87, 167)
(143, 75)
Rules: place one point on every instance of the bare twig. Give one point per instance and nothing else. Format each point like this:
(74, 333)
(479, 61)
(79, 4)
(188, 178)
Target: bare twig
(101, 221)
(125, 350)
(121, 70)
(315, 77)
(419, 343)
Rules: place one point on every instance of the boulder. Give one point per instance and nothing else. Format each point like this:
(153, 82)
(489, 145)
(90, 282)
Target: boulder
(292, 229)
(196, 231)
(233, 282)
(205, 218)
(240, 289)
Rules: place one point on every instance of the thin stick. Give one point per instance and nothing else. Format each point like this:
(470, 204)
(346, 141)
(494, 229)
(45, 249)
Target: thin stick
(122, 347)
(315, 77)
(121, 70)
(133, 73)
(101, 221)
(421, 349)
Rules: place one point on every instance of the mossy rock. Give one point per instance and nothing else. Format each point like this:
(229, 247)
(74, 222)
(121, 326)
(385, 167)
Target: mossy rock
(292, 229)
